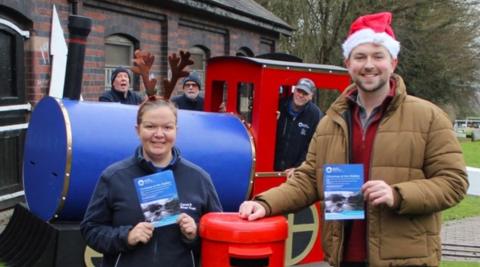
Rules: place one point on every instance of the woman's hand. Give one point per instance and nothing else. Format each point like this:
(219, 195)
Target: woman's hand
(141, 233)
(188, 227)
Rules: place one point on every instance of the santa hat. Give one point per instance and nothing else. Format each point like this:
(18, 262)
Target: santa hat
(372, 28)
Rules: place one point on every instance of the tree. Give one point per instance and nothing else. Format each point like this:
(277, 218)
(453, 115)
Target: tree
(439, 57)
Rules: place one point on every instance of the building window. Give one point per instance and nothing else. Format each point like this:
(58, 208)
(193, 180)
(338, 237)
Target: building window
(7, 53)
(14, 108)
(118, 52)
(12, 86)
(199, 56)
(244, 52)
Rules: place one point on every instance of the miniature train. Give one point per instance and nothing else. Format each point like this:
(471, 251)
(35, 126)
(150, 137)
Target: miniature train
(70, 142)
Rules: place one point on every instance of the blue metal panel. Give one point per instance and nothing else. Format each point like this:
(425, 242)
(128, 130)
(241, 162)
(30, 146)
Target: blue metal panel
(59, 181)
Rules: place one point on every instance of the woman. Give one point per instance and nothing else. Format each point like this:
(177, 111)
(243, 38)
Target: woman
(114, 223)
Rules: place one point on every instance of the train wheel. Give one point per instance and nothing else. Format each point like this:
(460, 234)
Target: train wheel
(303, 229)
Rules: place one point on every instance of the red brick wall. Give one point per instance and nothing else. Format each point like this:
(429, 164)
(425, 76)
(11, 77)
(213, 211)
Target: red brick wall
(156, 30)
(37, 47)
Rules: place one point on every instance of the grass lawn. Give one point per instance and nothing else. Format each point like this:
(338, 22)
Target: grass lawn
(470, 206)
(471, 153)
(459, 264)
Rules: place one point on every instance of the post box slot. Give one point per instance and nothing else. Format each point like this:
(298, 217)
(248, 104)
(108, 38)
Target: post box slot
(238, 262)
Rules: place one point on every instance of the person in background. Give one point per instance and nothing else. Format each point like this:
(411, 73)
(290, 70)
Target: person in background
(296, 124)
(413, 163)
(120, 91)
(114, 223)
(190, 99)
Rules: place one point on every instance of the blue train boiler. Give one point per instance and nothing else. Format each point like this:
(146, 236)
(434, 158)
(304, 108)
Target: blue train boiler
(69, 143)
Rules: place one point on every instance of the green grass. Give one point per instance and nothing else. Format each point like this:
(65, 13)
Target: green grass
(459, 264)
(469, 207)
(471, 153)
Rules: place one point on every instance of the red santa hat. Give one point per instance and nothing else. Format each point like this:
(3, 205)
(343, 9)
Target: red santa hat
(372, 28)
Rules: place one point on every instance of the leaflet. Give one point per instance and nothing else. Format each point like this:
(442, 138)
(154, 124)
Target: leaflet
(158, 198)
(343, 196)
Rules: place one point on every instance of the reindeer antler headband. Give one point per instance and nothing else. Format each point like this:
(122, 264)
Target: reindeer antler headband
(143, 63)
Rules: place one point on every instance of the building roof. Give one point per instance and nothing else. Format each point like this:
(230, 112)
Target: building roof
(245, 11)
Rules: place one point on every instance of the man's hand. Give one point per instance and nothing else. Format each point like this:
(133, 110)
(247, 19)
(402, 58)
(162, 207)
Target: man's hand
(289, 172)
(222, 107)
(251, 210)
(188, 227)
(141, 233)
(378, 192)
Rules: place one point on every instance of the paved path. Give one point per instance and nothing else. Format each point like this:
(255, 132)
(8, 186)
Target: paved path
(462, 232)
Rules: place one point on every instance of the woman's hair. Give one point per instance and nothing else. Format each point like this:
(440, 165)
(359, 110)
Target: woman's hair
(153, 102)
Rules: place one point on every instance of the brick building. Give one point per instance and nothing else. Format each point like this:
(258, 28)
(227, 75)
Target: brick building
(206, 28)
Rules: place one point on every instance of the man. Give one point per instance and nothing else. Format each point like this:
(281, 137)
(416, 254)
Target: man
(296, 124)
(413, 164)
(190, 99)
(120, 92)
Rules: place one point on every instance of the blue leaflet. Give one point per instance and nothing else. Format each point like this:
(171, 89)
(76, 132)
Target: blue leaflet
(158, 198)
(343, 197)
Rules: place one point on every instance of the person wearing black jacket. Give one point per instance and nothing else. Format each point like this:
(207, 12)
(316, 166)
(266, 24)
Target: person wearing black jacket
(190, 99)
(114, 223)
(296, 124)
(120, 91)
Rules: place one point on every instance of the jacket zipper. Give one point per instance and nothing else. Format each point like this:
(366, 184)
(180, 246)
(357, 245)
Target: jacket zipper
(347, 121)
(370, 174)
(118, 260)
(193, 258)
(341, 250)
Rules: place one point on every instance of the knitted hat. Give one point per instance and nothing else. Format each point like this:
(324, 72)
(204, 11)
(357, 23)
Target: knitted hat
(372, 28)
(306, 85)
(193, 77)
(116, 71)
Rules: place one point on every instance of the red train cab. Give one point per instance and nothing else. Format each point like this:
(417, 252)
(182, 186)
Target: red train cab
(252, 88)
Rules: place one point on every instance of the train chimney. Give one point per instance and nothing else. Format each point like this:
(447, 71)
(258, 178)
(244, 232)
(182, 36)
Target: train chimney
(79, 28)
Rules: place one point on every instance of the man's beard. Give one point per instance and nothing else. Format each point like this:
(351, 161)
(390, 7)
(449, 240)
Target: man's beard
(191, 97)
(380, 85)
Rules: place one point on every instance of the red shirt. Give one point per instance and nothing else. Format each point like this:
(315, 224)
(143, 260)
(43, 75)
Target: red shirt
(363, 135)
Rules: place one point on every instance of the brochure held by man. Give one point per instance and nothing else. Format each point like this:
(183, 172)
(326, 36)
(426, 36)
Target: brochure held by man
(158, 197)
(343, 195)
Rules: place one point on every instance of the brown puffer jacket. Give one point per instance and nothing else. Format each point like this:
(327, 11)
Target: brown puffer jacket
(415, 151)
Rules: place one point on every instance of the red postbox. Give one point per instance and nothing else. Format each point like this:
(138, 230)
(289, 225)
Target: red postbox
(228, 240)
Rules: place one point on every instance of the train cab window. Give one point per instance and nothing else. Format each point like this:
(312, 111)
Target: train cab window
(324, 97)
(283, 93)
(245, 101)
(219, 96)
